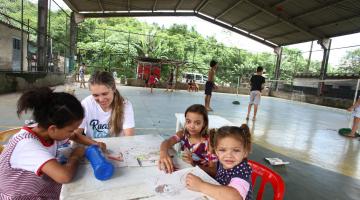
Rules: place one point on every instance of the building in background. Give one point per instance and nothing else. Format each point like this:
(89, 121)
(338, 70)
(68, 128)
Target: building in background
(10, 51)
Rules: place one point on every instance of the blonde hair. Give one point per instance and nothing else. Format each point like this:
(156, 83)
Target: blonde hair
(117, 105)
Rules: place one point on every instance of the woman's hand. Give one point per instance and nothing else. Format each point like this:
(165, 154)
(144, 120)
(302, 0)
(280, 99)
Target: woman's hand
(165, 162)
(193, 182)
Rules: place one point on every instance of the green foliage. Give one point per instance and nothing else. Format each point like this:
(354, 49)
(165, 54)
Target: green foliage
(113, 44)
(350, 63)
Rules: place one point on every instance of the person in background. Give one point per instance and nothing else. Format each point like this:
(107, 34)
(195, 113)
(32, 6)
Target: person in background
(257, 82)
(28, 165)
(170, 81)
(152, 82)
(232, 146)
(194, 140)
(107, 113)
(82, 75)
(355, 109)
(210, 84)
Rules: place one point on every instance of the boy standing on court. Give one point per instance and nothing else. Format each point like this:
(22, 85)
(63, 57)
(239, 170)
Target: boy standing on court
(257, 82)
(210, 84)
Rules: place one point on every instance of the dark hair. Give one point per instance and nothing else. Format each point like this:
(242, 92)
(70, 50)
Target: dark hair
(117, 113)
(213, 63)
(50, 108)
(259, 69)
(241, 134)
(200, 109)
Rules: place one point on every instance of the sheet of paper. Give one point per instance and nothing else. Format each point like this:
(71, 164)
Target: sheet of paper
(174, 186)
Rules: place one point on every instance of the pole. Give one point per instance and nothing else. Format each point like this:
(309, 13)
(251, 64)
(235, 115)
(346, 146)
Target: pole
(356, 91)
(22, 37)
(309, 60)
(237, 87)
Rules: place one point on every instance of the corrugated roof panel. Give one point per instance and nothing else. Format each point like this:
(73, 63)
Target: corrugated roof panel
(215, 8)
(114, 5)
(341, 28)
(189, 4)
(165, 4)
(336, 17)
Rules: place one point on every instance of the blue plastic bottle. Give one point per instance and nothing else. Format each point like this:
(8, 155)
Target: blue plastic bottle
(103, 169)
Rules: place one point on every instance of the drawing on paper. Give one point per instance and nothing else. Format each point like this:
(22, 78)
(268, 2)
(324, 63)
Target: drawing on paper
(148, 159)
(174, 184)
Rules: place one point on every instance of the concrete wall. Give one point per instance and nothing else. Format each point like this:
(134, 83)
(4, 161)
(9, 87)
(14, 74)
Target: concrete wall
(7, 34)
(13, 81)
(313, 99)
(184, 86)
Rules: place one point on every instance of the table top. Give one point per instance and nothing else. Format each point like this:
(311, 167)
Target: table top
(215, 121)
(127, 183)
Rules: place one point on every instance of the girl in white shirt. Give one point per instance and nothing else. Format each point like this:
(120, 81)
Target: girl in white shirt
(107, 113)
(28, 165)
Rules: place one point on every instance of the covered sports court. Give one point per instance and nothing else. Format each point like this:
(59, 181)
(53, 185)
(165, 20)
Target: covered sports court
(323, 164)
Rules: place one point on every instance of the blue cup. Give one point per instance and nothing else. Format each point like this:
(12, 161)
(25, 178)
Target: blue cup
(103, 169)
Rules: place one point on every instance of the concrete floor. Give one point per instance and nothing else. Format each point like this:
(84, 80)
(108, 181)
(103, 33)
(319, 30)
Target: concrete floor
(323, 164)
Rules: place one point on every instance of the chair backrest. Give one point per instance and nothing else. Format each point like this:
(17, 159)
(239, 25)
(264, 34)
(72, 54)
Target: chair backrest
(5, 135)
(267, 176)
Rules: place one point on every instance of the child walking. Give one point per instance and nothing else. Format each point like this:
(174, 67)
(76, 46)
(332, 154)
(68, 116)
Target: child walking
(194, 140)
(232, 145)
(356, 113)
(28, 165)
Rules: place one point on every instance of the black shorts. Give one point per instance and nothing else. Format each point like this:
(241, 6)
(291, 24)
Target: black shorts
(209, 87)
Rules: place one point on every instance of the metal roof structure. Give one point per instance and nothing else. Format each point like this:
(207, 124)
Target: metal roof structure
(271, 22)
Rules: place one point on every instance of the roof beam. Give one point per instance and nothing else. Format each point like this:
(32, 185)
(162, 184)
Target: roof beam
(257, 13)
(71, 6)
(285, 20)
(258, 39)
(154, 5)
(264, 27)
(100, 5)
(280, 35)
(201, 5)
(322, 6)
(229, 8)
(135, 14)
(335, 22)
(178, 5)
(247, 18)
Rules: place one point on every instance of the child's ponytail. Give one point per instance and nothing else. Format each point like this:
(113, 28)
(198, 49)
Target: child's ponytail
(50, 108)
(247, 136)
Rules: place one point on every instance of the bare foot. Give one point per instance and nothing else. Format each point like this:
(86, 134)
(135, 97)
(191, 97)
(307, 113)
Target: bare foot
(350, 136)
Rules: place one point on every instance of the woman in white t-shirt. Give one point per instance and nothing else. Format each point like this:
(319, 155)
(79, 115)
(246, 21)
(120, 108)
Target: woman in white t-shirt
(107, 113)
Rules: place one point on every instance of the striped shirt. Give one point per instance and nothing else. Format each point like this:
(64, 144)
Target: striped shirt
(18, 184)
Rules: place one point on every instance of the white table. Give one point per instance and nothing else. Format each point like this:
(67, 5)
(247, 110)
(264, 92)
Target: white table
(215, 121)
(127, 183)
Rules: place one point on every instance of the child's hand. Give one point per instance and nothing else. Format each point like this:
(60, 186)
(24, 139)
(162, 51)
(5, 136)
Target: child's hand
(193, 182)
(165, 162)
(102, 146)
(78, 152)
(350, 109)
(186, 157)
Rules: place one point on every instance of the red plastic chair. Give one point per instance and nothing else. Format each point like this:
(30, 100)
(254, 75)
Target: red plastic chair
(267, 176)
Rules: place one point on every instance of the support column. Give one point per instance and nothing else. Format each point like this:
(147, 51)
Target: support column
(73, 34)
(278, 52)
(325, 45)
(41, 35)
